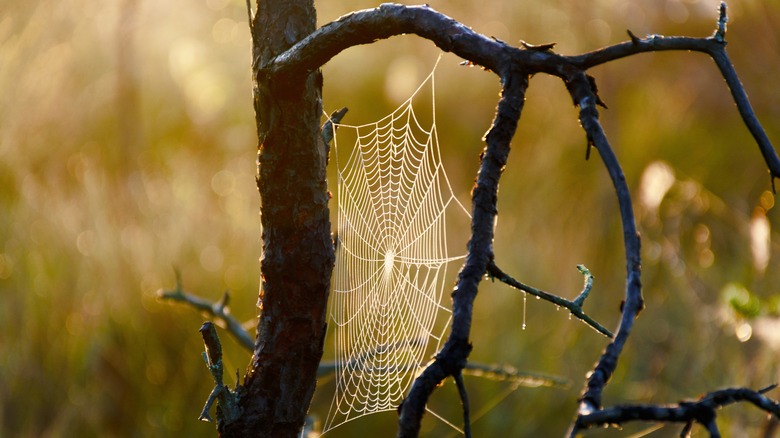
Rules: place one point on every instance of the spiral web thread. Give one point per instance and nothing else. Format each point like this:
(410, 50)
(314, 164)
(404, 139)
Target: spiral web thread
(386, 306)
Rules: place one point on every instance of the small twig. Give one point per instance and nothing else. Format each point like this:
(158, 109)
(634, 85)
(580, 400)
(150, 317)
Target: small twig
(228, 410)
(328, 131)
(464, 398)
(771, 427)
(580, 300)
(218, 310)
(686, 430)
(720, 33)
(712, 427)
(574, 307)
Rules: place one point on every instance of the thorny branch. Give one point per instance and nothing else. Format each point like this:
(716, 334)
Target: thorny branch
(702, 411)
(367, 26)
(515, 66)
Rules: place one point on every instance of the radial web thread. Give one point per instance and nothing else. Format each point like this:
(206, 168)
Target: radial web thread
(387, 310)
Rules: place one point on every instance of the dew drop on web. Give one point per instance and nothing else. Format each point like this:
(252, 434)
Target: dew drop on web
(525, 297)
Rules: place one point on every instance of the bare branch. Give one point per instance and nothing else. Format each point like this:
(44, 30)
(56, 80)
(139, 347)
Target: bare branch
(575, 307)
(580, 88)
(218, 310)
(723, 62)
(514, 66)
(452, 357)
(715, 47)
(702, 411)
(367, 26)
(501, 373)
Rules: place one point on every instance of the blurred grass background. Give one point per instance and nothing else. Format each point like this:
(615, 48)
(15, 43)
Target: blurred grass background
(127, 148)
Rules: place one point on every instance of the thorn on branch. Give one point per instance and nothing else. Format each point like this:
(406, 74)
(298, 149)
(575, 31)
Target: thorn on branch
(767, 389)
(496, 39)
(592, 88)
(635, 40)
(538, 47)
(720, 33)
(588, 148)
(595, 89)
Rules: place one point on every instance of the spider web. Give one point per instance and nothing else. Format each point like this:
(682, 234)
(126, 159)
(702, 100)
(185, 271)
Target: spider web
(386, 309)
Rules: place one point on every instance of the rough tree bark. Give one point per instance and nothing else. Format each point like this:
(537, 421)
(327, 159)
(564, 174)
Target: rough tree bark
(298, 252)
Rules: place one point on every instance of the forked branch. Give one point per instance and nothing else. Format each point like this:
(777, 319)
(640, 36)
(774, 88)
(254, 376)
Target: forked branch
(514, 66)
(582, 92)
(574, 306)
(218, 310)
(702, 411)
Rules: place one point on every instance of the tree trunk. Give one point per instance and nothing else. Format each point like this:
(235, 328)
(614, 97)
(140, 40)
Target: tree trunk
(298, 252)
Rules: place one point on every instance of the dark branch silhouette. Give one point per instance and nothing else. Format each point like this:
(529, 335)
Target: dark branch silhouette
(514, 66)
(218, 310)
(574, 306)
(285, 65)
(581, 89)
(702, 411)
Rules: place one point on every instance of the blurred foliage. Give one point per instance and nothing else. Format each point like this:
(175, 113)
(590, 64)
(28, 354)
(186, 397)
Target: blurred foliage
(127, 147)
